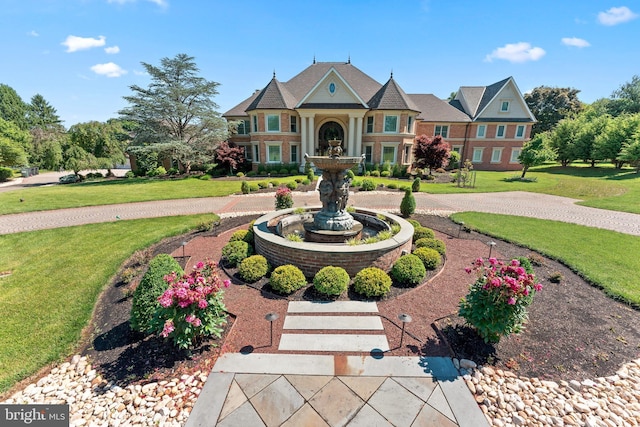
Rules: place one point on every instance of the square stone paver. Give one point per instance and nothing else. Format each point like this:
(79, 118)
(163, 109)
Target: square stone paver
(363, 386)
(336, 403)
(306, 417)
(421, 387)
(429, 417)
(439, 402)
(396, 403)
(245, 415)
(308, 385)
(254, 383)
(277, 402)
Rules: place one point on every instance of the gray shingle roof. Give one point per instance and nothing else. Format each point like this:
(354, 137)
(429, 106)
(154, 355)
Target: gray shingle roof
(434, 109)
(478, 97)
(240, 109)
(274, 96)
(392, 97)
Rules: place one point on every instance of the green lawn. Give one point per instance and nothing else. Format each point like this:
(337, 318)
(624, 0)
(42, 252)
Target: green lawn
(56, 278)
(596, 253)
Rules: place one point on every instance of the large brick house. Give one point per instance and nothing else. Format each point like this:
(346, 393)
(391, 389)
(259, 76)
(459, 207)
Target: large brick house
(280, 123)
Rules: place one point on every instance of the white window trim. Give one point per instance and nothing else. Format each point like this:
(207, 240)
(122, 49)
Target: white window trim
(267, 122)
(254, 120)
(395, 152)
(457, 148)
(373, 124)
(409, 124)
(364, 150)
(407, 159)
(255, 152)
(269, 144)
(514, 158)
(504, 131)
(524, 129)
(248, 151)
(495, 150)
(385, 124)
(502, 105)
(293, 118)
(294, 144)
(473, 157)
(441, 127)
(484, 134)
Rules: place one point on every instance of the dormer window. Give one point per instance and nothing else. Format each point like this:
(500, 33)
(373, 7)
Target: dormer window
(332, 88)
(504, 106)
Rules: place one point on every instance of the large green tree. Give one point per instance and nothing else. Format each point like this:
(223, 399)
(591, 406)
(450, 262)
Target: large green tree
(550, 105)
(619, 132)
(626, 99)
(12, 107)
(535, 152)
(13, 144)
(176, 111)
(563, 139)
(105, 142)
(41, 114)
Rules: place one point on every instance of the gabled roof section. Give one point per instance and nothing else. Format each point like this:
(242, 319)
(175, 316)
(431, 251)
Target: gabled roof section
(469, 98)
(392, 97)
(434, 109)
(494, 91)
(274, 97)
(310, 99)
(490, 93)
(241, 109)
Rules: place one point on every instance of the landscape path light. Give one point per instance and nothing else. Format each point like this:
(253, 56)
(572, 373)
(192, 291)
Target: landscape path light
(491, 245)
(404, 318)
(270, 317)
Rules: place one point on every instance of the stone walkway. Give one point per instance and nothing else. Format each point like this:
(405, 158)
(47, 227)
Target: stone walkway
(509, 203)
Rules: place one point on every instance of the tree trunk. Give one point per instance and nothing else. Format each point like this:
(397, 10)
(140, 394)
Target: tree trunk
(524, 171)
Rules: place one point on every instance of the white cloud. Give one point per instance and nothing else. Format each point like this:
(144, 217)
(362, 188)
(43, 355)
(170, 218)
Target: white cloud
(575, 42)
(112, 49)
(516, 52)
(109, 69)
(616, 15)
(75, 43)
(33, 33)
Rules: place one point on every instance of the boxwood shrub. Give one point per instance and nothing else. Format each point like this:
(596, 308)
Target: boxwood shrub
(368, 185)
(331, 280)
(429, 257)
(408, 270)
(434, 243)
(372, 282)
(415, 223)
(253, 268)
(422, 232)
(287, 278)
(152, 285)
(234, 252)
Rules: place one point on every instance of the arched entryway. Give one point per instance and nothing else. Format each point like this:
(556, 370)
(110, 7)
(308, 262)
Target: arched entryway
(327, 132)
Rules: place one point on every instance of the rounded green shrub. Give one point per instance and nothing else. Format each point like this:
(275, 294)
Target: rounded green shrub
(254, 187)
(415, 223)
(433, 243)
(244, 187)
(526, 264)
(408, 270)
(350, 174)
(5, 173)
(306, 181)
(385, 174)
(242, 235)
(368, 185)
(292, 185)
(415, 185)
(375, 173)
(263, 184)
(240, 174)
(287, 278)
(422, 232)
(151, 287)
(331, 280)
(234, 252)
(392, 186)
(253, 268)
(372, 282)
(429, 257)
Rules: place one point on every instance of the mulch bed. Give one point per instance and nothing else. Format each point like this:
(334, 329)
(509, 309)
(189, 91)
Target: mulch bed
(574, 332)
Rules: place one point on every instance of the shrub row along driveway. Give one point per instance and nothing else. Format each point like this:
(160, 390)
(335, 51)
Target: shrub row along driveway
(518, 203)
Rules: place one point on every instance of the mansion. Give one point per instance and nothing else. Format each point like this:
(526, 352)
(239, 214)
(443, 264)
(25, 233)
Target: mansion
(335, 100)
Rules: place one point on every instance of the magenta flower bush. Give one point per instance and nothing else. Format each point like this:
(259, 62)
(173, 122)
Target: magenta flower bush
(284, 199)
(192, 308)
(497, 302)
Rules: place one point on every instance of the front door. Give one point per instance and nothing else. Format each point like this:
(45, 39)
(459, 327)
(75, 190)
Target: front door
(327, 132)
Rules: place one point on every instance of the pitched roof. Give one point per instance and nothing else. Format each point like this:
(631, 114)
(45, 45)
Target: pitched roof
(392, 97)
(274, 96)
(478, 97)
(240, 109)
(434, 109)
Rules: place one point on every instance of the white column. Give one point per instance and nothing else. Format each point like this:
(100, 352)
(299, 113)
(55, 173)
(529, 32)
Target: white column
(358, 149)
(312, 136)
(303, 137)
(351, 144)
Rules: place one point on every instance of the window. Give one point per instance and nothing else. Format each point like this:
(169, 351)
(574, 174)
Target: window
(256, 153)
(496, 155)
(442, 130)
(407, 154)
(482, 131)
(391, 124)
(243, 127)
(504, 106)
(274, 153)
(370, 124)
(294, 124)
(457, 148)
(273, 123)
(255, 123)
(246, 152)
(515, 153)
(477, 155)
(520, 131)
(409, 124)
(368, 153)
(389, 154)
(293, 158)
(500, 131)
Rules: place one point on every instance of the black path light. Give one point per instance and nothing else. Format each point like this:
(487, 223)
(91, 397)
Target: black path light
(270, 317)
(183, 245)
(491, 245)
(404, 318)
(460, 229)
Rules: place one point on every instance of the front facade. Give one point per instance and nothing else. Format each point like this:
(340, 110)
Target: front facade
(330, 100)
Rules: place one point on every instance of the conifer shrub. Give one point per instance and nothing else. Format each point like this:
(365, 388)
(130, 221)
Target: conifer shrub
(331, 280)
(415, 185)
(286, 279)
(244, 187)
(429, 257)
(372, 282)
(234, 252)
(408, 204)
(253, 268)
(433, 243)
(151, 287)
(408, 270)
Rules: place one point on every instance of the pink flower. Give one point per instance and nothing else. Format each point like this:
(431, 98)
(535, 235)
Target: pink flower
(515, 263)
(493, 261)
(496, 282)
(203, 303)
(468, 270)
(511, 301)
(168, 328)
(196, 322)
(200, 265)
(226, 283)
(165, 299)
(537, 286)
(190, 318)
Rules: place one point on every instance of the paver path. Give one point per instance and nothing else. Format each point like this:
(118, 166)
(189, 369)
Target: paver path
(510, 203)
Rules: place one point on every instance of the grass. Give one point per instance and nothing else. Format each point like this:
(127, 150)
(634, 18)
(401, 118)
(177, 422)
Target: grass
(595, 253)
(55, 282)
(119, 191)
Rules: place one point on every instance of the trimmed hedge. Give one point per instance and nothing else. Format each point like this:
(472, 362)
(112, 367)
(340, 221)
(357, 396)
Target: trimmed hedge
(253, 268)
(234, 252)
(331, 280)
(422, 232)
(427, 242)
(408, 270)
(287, 279)
(151, 287)
(429, 257)
(372, 282)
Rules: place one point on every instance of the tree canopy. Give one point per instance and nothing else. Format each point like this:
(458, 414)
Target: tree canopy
(535, 152)
(41, 114)
(177, 108)
(431, 152)
(12, 108)
(550, 105)
(105, 143)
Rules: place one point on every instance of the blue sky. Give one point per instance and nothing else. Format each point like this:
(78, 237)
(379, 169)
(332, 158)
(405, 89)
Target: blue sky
(82, 55)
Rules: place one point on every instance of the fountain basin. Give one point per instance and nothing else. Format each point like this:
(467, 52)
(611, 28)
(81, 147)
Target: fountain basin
(310, 257)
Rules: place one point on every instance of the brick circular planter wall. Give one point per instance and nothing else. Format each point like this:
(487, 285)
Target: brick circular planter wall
(311, 257)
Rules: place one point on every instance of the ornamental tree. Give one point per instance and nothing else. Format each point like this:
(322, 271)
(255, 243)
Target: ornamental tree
(230, 155)
(431, 152)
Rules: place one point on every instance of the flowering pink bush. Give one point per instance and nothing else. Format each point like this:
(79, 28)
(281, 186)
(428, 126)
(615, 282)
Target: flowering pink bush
(497, 302)
(284, 199)
(192, 307)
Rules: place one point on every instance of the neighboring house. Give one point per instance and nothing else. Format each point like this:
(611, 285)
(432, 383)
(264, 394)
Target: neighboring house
(280, 123)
